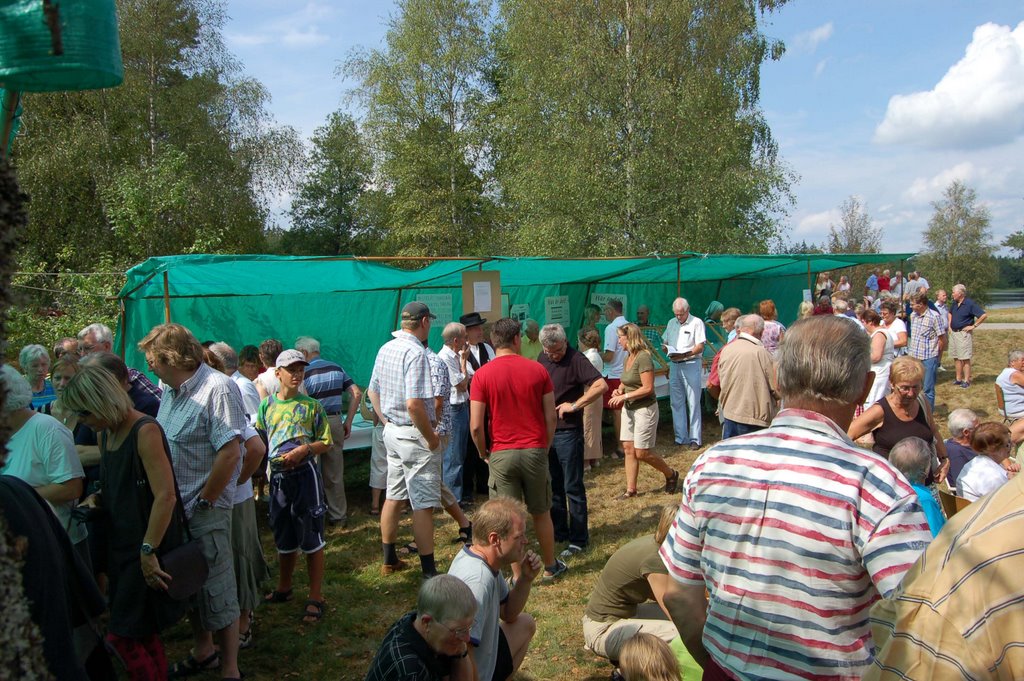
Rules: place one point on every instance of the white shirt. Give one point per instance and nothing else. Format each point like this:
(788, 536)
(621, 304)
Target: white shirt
(475, 351)
(895, 329)
(250, 396)
(455, 375)
(613, 367)
(243, 492)
(980, 476)
(691, 334)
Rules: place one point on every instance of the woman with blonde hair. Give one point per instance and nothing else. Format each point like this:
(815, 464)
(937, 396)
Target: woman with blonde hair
(771, 338)
(805, 310)
(140, 507)
(645, 657)
(902, 413)
(639, 411)
(590, 345)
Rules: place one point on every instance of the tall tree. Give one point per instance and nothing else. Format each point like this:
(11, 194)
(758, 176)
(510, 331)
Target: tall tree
(855, 232)
(422, 94)
(958, 248)
(329, 214)
(633, 126)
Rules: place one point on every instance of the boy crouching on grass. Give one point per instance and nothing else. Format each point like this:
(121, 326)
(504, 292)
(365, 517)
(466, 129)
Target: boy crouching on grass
(297, 432)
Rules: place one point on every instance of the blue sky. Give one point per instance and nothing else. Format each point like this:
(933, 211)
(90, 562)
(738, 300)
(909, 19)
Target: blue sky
(885, 100)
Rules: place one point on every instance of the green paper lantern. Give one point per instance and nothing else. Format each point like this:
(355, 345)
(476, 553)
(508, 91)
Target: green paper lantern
(90, 55)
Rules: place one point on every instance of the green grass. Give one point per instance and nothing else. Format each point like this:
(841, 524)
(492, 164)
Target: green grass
(362, 604)
(1009, 315)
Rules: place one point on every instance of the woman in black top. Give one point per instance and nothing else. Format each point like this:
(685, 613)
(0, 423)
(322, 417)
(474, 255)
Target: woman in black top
(138, 501)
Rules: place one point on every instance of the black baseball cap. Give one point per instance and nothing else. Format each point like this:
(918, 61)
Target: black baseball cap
(415, 311)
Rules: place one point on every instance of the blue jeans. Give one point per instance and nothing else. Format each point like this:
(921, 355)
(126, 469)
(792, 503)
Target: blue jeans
(732, 428)
(455, 453)
(931, 370)
(565, 462)
(684, 380)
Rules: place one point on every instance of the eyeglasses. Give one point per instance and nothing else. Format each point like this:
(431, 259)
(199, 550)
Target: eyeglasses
(457, 633)
(907, 389)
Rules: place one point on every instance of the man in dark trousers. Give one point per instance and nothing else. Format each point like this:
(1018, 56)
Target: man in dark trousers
(474, 470)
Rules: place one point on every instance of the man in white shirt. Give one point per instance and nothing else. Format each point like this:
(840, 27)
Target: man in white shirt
(613, 356)
(684, 344)
(454, 353)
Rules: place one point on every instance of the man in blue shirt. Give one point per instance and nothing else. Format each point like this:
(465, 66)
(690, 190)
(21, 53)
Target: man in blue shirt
(327, 383)
(964, 317)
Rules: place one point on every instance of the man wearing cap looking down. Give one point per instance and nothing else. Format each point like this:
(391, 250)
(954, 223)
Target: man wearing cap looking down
(402, 395)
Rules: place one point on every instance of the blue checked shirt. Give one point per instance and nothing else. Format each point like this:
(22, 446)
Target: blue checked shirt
(402, 372)
(442, 388)
(925, 330)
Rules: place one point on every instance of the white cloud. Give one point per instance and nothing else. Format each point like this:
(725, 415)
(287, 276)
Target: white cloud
(305, 37)
(815, 225)
(820, 67)
(247, 39)
(808, 41)
(979, 102)
(924, 189)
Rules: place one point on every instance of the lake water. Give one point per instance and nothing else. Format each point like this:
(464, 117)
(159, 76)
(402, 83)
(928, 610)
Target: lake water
(1004, 298)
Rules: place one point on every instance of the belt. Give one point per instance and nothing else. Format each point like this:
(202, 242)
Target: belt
(960, 329)
(684, 361)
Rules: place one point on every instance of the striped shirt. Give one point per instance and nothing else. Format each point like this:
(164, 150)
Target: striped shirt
(795, 532)
(327, 382)
(201, 416)
(959, 613)
(402, 372)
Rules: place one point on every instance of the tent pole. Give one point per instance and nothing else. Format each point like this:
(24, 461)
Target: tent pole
(122, 323)
(167, 300)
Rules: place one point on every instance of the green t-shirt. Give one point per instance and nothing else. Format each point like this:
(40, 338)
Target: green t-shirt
(631, 378)
(623, 583)
(291, 423)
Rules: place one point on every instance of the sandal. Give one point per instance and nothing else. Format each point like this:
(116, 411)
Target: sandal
(628, 494)
(190, 666)
(245, 638)
(374, 510)
(672, 483)
(409, 549)
(316, 614)
(465, 535)
(278, 596)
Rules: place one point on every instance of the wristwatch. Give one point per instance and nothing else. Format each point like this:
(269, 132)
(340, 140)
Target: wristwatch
(203, 504)
(147, 549)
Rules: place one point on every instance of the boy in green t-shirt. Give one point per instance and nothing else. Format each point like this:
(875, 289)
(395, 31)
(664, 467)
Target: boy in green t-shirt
(297, 432)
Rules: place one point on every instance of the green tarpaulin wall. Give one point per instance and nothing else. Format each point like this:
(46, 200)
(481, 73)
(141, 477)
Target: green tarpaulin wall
(352, 305)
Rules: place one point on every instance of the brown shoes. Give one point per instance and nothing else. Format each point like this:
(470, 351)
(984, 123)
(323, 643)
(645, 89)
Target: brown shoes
(672, 483)
(390, 569)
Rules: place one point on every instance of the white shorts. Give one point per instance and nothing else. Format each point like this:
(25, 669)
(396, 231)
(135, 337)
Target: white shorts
(414, 472)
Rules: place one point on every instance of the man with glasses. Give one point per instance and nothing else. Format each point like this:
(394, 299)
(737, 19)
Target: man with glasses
(431, 643)
(683, 342)
(577, 384)
(501, 632)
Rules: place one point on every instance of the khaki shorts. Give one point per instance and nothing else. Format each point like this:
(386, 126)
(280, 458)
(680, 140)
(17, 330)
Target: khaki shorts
(961, 344)
(522, 474)
(640, 426)
(607, 638)
(414, 472)
(217, 601)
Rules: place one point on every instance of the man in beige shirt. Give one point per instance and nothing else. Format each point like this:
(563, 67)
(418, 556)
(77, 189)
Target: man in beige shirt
(749, 396)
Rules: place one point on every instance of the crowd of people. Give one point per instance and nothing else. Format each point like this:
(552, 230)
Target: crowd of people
(818, 506)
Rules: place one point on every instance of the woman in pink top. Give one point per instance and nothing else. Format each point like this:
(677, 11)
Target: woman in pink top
(773, 329)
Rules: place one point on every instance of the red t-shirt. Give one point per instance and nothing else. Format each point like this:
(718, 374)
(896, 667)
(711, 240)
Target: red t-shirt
(513, 389)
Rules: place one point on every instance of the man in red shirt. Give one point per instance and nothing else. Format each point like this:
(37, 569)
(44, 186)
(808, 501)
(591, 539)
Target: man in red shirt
(519, 396)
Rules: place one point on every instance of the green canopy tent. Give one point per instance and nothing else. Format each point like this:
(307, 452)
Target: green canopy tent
(353, 304)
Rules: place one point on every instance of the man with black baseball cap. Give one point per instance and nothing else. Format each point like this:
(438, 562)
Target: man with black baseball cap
(402, 395)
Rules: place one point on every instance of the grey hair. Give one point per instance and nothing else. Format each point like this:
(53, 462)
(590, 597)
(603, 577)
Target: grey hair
(840, 305)
(531, 324)
(1014, 355)
(227, 356)
(101, 332)
(961, 420)
(446, 598)
(551, 335)
(824, 359)
(307, 344)
(453, 330)
(959, 287)
(751, 322)
(682, 303)
(912, 456)
(19, 392)
(31, 353)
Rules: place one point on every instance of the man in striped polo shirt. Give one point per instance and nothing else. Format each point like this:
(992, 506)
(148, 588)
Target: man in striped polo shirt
(327, 383)
(793, 530)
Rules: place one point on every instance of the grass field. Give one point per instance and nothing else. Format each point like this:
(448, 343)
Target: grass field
(362, 604)
(1007, 315)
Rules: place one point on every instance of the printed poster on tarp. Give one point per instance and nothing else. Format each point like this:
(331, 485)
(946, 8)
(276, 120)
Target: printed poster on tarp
(600, 299)
(440, 304)
(556, 310)
(520, 312)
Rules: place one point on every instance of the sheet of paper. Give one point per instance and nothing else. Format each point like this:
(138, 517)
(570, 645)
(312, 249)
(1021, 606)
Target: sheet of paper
(520, 312)
(670, 350)
(556, 310)
(482, 296)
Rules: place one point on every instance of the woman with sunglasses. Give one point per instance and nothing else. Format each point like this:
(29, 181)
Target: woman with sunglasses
(902, 414)
(139, 502)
